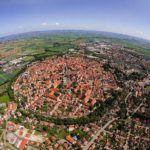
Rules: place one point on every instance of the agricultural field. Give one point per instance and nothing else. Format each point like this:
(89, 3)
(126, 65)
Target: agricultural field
(26, 51)
(4, 98)
(3, 87)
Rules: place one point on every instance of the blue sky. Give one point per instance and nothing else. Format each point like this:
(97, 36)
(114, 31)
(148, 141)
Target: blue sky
(122, 16)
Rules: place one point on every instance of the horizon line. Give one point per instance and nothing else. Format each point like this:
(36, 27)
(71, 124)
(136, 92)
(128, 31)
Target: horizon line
(85, 30)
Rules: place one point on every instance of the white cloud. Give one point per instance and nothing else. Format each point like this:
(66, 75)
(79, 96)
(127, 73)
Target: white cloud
(57, 23)
(44, 24)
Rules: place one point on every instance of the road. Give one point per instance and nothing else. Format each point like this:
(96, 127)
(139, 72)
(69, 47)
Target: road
(56, 106)
(137, 108)
(126, 101)
(86, 147)
(127, 140)
(127, 96)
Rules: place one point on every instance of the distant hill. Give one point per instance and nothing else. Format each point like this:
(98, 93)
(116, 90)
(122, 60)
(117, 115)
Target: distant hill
(76, 33)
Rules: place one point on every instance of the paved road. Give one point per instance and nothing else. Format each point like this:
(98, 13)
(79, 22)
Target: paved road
(126, 101)
(137, 108)
(86, 147)
(127, 96)
(127, 140)
(55, 107)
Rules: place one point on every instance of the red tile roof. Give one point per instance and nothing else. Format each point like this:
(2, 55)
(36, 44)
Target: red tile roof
(69, 139)
(23, 144)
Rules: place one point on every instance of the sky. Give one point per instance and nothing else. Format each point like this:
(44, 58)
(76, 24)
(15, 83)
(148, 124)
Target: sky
(130, 17)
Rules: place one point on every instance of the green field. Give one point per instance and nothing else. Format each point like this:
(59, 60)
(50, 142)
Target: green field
(5, 77)
(4, 98)
(148, 87)
(4, 87)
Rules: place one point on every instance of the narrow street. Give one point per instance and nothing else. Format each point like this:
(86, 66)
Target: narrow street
(126, 101)
(127, 140)
(127, 96)
(86, 147)
(137, 108)
(56, 106)
(77, 109)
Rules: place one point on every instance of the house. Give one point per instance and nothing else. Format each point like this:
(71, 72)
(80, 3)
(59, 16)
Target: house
(71, 128)
(50, 148)
(12, 107)
(12, 138)
(23, 144)
(70, 139)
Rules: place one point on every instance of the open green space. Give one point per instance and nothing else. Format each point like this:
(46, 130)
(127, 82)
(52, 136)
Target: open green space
(148, 87)
(4, 98)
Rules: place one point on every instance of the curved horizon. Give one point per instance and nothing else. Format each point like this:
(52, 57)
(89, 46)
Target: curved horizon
(128, 17)
(71, 30)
